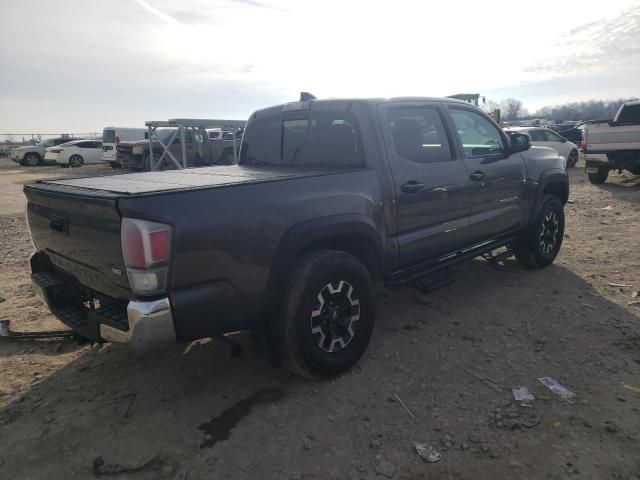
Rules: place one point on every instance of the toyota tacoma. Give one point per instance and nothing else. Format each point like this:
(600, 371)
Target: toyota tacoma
(328, 198)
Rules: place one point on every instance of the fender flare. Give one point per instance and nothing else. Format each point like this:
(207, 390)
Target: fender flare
(546, 178)
(304, 234)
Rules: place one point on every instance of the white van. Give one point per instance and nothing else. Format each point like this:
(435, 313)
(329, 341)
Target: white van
(112, 136)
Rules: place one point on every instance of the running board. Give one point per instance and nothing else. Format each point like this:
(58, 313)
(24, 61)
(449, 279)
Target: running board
(416, 272)
(495, 259)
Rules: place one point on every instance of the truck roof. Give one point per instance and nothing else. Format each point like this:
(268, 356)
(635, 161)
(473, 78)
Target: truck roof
(345, 102)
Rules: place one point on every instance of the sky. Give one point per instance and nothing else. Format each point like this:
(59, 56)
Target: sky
(80, 65)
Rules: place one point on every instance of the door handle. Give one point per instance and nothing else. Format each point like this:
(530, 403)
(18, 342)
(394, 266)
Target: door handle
(477, 176)
(412, 187)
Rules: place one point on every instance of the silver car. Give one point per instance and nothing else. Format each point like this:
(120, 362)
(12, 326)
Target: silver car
(32, 155)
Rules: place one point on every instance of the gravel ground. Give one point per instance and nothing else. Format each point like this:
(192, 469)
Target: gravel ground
(440, 369)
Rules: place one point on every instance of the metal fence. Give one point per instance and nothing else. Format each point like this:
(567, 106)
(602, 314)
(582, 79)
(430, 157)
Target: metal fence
(22, 138)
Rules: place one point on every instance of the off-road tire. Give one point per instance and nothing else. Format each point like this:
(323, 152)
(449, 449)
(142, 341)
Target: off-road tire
(536, 248)
(293, 343)
(600, 177)
(31, 160)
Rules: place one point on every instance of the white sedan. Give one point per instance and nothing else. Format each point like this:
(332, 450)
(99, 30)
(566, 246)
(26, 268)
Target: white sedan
(545, 137)
(75, 153)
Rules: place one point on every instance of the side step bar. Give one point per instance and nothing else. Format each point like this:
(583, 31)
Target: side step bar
(415, 272)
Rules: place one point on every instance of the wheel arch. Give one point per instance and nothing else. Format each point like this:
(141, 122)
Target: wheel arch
(556, 184)
(354, 234)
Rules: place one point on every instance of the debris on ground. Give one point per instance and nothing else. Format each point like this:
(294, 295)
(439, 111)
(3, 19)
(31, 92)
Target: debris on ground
(399, 400)
(386, 469)
(427, 452)
(522, 394)
(557, 388)
(100, 468)
(632, 388)
(620, 285)
(611, 427)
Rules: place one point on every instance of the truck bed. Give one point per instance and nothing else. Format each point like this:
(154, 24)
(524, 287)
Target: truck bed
(166, 181)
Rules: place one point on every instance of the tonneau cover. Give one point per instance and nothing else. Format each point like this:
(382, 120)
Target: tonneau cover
(203, 177)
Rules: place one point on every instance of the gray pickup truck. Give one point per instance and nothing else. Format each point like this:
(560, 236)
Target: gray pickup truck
(200, 150)
(329, 196)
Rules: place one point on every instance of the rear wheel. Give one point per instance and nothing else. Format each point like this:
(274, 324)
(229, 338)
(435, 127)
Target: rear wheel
(573, 159)
(31, 159)
(115, 165)
(540, 243)
(600, 177)
(76, 161)
(327, 317)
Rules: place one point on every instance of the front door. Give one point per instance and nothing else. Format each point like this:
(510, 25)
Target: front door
(431, 182)
(497, 177)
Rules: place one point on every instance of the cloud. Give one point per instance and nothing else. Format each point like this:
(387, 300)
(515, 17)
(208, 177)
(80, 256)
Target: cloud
(598, 47)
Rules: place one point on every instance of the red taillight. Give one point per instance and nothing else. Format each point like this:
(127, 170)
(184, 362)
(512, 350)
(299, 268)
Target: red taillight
(583, 146)
(117, 140)
(146, 250)
(159, 245)
(144, 243)
(55, 150)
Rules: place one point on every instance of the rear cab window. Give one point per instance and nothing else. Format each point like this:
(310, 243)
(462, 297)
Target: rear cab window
(630, 115)
(305, 138)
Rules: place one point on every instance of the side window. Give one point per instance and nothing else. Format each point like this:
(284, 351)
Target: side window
(418, 134)
(83, 144)
(552, 136)
(59, 141)
(198, 136)
(479, 137)
(538, 136)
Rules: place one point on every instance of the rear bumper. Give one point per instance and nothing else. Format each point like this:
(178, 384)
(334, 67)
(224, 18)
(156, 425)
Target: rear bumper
(150, 323)
(138, 323)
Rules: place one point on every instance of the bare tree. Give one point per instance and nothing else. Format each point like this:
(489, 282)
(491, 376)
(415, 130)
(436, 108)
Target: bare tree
(511, 108)
(589, 110)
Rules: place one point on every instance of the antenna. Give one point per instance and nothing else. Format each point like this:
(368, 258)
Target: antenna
(306, 96)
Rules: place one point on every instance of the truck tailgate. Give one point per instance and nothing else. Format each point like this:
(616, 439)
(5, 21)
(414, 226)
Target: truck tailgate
(80, 232)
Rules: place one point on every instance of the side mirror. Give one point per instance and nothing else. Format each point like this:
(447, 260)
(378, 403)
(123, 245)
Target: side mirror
(520, 142)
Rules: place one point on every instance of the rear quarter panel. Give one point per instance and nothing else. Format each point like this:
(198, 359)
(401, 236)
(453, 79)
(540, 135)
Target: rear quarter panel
(231, 234)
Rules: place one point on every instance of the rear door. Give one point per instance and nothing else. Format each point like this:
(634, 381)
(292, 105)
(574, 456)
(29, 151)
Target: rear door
(109, 152)
(94, 151)
(497, 178)
(430, 178)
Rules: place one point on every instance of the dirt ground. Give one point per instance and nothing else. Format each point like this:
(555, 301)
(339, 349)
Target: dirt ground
(450, 357)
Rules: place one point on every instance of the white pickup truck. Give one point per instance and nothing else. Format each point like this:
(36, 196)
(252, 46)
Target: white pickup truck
(613, 144)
